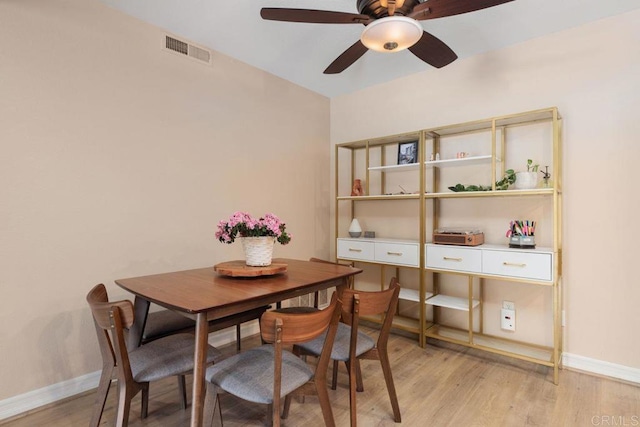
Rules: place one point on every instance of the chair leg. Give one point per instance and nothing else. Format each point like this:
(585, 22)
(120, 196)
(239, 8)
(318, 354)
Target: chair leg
(273, 416)
(182, 391)
(125, 394)
(388, 378)
(101, 397)
(359, 383)
(144, 407)
(211, 406)
(325, 404)
(287, 405)
(334, 375)
(352, 369)
(238, 338)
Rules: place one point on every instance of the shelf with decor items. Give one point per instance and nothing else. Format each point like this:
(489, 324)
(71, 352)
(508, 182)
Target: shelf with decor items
(493, 272)
(387, 185)
(460, 176)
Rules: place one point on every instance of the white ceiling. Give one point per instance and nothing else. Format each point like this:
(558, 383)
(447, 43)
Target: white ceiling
(300, 52)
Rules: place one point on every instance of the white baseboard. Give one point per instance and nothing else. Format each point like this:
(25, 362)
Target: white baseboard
(43, 396)
(36, 398)
(599, 367)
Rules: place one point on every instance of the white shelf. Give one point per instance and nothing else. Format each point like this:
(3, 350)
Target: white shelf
(499, 193)
(381, 240)
(412, 295)
(396, 168)
(465, 161)
(452, 302)
(381, 197)
(530, 352)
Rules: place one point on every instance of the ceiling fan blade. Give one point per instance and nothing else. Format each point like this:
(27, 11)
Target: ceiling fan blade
(432, 9)
(433, 51)
(347, 58)
(312, 16)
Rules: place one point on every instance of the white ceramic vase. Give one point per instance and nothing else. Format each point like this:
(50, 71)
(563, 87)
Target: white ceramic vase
(354, 229)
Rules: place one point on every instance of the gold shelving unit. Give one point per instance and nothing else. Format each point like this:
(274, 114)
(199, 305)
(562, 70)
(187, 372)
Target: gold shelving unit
(372, 158)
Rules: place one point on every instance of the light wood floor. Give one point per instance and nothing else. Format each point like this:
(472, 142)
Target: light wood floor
(440, 385)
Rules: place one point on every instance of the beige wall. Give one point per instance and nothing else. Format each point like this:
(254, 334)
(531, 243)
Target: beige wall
(592, 74)
(118, 160)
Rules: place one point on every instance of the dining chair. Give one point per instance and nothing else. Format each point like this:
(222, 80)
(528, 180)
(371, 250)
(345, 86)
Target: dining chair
(267, 373)
(134, 369)
(351, 345)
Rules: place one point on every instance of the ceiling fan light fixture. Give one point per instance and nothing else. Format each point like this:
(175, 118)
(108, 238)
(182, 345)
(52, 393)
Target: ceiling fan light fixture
(391, 34)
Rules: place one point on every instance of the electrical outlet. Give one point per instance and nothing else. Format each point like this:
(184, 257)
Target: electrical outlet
(509, 305)
(508, 319)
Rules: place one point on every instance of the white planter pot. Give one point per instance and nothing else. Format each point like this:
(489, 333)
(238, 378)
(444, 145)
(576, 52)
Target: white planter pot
(258, 251)
(526, 180)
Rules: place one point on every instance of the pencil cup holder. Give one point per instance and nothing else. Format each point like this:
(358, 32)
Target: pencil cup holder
(522, 242)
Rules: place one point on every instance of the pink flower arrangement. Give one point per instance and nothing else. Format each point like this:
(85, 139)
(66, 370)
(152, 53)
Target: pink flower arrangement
(242, 224)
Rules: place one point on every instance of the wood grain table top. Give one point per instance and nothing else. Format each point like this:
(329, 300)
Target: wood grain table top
(204, 290)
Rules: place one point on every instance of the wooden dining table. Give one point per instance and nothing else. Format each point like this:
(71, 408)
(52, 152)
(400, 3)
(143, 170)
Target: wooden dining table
(203, 294)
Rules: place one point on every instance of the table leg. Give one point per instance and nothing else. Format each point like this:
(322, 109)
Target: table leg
(199, 367)
(343, 285)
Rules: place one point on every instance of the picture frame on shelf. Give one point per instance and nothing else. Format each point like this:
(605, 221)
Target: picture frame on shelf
(407, 152)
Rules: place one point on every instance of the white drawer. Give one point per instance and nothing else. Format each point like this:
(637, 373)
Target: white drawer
(397, 253)
(453, 258)
(526, 265)
(355, 249)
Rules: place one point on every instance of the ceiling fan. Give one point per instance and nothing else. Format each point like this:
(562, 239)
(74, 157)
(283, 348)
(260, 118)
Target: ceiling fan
(390, 26)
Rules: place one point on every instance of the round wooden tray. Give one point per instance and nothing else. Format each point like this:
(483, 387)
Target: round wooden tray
(240, 269)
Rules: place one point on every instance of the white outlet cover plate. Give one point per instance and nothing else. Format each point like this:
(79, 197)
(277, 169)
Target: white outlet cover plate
(508, 319)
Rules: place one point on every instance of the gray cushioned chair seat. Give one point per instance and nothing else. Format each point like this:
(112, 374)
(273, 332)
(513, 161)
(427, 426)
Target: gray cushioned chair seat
(167, 356)
(249, 375)
(340, 349)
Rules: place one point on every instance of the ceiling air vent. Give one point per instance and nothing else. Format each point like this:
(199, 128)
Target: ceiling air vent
(183, 48)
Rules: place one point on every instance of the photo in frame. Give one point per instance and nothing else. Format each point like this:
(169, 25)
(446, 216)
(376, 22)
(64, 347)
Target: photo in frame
(407, 152)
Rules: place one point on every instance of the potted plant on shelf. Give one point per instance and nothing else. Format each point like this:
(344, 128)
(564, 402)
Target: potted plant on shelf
(258, 236)
(503, 184)
(529, 179)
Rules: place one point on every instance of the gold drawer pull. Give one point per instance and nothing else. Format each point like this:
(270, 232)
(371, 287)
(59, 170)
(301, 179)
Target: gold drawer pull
(394, 253)
(514, 264)
(447, 258)
(355, 250)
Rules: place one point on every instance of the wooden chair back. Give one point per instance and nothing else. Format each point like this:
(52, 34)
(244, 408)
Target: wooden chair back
(110, 319)
(299, 327)
(357, 303)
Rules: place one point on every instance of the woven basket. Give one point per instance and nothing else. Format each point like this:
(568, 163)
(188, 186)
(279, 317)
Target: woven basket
(258, 251)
